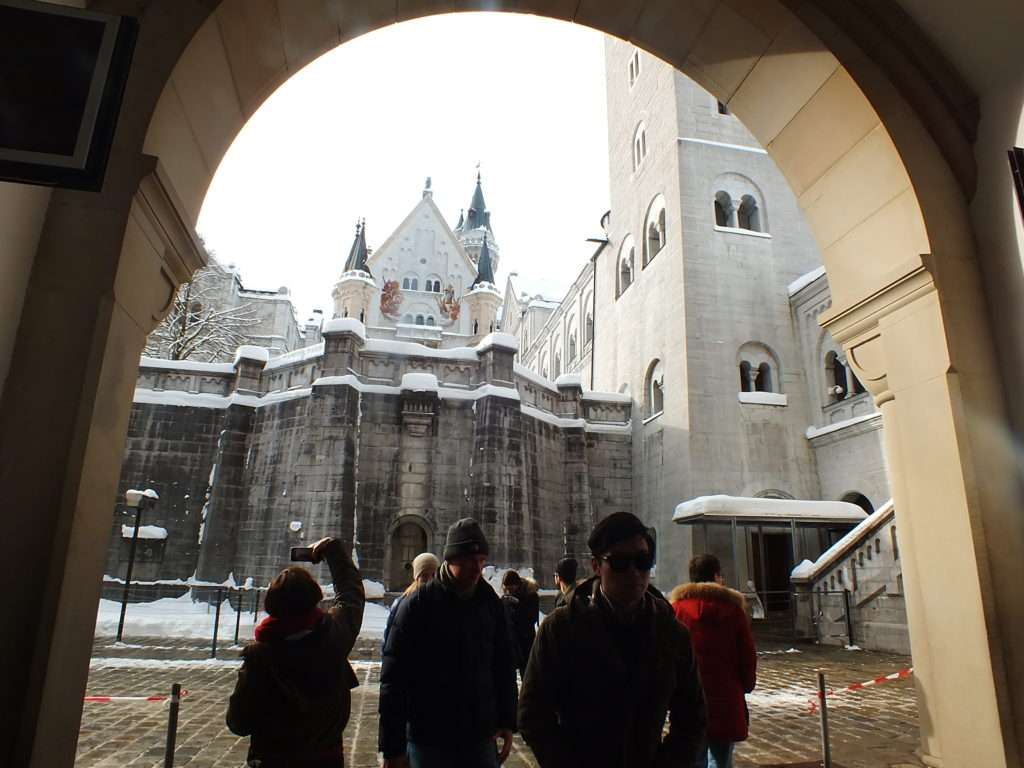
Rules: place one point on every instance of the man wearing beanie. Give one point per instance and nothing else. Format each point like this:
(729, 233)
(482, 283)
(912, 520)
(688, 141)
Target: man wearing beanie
(447, 683)
(607, 669)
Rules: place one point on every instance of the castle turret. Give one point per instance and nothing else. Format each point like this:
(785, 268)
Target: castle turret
(483, 298)
(355, 288)
(474, 225)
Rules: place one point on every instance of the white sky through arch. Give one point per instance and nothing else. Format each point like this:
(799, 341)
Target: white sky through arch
(356, 133)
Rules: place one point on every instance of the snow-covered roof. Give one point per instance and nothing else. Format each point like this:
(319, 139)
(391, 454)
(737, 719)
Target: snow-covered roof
(569, 380)
(343, 324)
(808, 571)
(419, 382)
(186, 365)
(297, 356)
(747, 510)
(804, 280)
(145, 532)
(252, 352)
(496, 339)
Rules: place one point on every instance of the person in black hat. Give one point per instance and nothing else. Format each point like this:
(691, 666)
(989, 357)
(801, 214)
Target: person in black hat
(565, 579)
(607, 669)
(448, 680)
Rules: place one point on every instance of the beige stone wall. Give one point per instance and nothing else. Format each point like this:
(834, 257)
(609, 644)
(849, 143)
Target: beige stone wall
(22, 212)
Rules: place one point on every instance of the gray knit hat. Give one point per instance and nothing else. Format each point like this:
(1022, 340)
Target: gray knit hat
(465, 538)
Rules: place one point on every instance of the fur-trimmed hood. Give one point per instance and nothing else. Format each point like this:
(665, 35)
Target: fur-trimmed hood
(707, 591)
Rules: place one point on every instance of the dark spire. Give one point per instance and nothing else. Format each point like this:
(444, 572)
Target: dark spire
(357, 255)
(462, 219)
(484, 270)
(477, 216)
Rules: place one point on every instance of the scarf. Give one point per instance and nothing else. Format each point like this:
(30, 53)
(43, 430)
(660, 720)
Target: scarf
(448, 582)
(271, 628)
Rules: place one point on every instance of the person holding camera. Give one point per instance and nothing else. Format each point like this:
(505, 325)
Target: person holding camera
(293, 695)
(607, 668)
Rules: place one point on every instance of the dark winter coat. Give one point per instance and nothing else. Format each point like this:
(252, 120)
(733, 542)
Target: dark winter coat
(447, 673)
(596, 690)
(722, 639)
(524, 610)
(293, 695)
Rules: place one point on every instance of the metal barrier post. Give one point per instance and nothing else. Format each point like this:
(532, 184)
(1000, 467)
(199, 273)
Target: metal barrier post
(216, 622)
(128, 571)
(238, 617)
(826, 751)
(172, 725)
(255, 605)
(849, 617)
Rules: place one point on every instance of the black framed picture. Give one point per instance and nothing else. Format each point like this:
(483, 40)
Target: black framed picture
(62, 77)
(1017, 170)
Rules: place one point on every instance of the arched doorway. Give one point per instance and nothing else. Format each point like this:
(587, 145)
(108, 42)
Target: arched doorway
(407, 540)
(883, 178)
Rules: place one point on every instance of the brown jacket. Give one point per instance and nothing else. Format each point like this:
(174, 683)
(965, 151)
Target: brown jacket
(596, 693)
(293, 696)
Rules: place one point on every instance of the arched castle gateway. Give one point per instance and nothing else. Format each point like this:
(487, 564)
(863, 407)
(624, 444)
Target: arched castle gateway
(892, 129)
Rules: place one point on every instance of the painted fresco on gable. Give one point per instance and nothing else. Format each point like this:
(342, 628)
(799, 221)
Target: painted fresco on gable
(449, 306)
(391, 299)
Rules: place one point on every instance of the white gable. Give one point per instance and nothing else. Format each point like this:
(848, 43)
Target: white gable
(421, 255)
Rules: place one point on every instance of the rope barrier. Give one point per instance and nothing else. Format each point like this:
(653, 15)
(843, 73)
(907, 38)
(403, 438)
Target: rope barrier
(903, 674)
(123, 699)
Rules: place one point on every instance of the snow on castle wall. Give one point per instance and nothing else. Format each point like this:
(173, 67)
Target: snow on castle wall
(362, 448)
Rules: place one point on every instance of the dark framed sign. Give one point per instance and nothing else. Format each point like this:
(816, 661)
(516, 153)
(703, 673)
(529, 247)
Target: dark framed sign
(62, 77)
(1017, 170)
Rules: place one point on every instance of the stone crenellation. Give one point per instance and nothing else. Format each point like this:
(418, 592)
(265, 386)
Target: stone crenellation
(377, 441)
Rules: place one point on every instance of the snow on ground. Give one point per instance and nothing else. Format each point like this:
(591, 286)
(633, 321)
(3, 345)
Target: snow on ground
(181, 617)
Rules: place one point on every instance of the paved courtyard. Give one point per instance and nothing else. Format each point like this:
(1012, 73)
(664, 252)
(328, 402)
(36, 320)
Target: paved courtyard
(870, 728)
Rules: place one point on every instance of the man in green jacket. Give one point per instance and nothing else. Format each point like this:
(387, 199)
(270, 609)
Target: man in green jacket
(607, 669)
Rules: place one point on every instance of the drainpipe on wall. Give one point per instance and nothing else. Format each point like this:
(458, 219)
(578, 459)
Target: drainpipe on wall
(602, 242)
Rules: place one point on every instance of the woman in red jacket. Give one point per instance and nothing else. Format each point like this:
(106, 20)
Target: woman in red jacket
(724, 645)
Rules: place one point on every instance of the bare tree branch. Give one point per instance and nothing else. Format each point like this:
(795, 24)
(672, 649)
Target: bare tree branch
(200, 326)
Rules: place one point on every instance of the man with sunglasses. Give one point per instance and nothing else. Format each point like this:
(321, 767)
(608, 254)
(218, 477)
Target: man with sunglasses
(608, 667)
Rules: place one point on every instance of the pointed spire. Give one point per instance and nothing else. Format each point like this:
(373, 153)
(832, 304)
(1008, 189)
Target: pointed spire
(477, 216)
(357, 255)
(484, 270)
(462, 219)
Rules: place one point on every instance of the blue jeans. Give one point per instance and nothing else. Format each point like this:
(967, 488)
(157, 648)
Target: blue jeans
(718, 754)
(481, 754)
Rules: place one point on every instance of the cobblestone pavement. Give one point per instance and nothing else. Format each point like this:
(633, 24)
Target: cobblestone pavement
(871, 728)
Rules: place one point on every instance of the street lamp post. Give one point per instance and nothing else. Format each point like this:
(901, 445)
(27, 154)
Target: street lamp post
(137, 500)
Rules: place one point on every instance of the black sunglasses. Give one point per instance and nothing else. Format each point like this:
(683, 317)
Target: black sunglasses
(642, 561)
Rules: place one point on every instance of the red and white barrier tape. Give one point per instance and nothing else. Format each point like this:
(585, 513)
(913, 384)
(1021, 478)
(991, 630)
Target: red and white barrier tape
(122, 699)
(903, 674)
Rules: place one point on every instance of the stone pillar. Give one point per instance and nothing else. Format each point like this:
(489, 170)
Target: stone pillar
(104, 275)
(483, 303)
(227, 498)
(344, 337)
(957, 506)
(249, 364)
(579, 511)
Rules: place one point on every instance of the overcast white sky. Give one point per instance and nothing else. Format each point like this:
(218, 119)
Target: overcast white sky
(356, 133)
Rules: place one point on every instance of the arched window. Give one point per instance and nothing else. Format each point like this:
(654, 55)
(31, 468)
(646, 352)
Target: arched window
(544, 365)
(759, 368)
(724, 210)
(406, 283)
(589, 329)
(430, 319)
(476, 327)
(557, 371)
(419, 319)
(722, 109)
(627, 255)
(748, 216)
(639, 145)
(835, 377)
(654, 390)
(407, 319)
(572, 347)
(634, 67)
(432, 284)
(654, 229)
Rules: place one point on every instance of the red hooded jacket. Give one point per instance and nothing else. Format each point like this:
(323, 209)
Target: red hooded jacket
(726, 657)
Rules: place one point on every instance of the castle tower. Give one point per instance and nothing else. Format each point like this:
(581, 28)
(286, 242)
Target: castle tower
(475, 225)
(483, 298)
(355, 289)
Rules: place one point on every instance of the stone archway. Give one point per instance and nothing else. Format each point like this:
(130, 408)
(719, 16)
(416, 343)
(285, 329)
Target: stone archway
(882, 178)
(408, 538)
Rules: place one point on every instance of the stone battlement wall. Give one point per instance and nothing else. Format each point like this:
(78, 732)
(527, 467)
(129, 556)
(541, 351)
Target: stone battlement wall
(371, 436)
